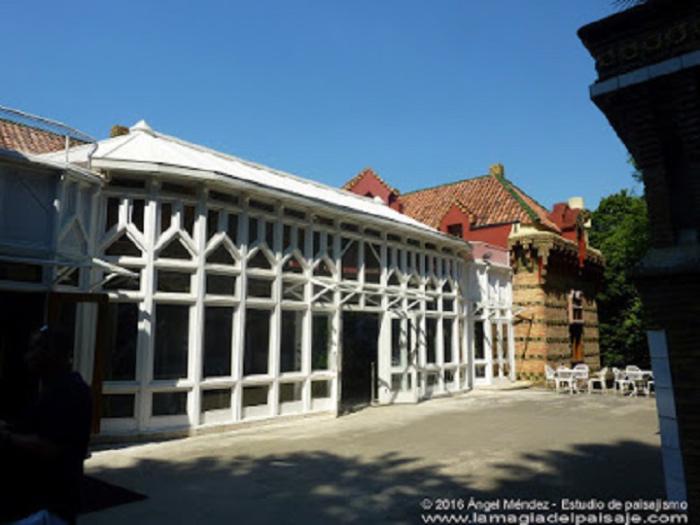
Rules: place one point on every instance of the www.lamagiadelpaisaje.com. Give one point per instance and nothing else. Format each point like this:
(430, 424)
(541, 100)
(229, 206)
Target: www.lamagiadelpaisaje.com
(562, 512)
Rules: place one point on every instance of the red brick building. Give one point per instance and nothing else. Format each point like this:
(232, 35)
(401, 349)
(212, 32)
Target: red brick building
(555, 272)
(648, 87)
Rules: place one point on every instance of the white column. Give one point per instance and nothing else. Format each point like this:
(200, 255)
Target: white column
(144, 364)
(499, 348)
(276, 319)
(666, 406)
(196, 348)
(239, 318)
(337, 344)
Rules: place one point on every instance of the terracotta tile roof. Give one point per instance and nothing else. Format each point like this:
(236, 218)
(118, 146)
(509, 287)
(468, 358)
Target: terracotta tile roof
(490, 199)
(368, 171)
(20, 137)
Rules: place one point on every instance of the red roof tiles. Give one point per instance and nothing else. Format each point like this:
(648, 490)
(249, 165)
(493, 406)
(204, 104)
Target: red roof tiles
(368, 172)
(491, 199)
(20, 137)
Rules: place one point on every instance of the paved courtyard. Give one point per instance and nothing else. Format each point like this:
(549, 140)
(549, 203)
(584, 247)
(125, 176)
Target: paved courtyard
(376, 465)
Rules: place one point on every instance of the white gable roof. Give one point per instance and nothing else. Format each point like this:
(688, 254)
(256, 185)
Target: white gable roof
(144, 149)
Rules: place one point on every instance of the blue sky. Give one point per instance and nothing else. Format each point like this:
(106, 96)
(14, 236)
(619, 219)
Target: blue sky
(425, 92)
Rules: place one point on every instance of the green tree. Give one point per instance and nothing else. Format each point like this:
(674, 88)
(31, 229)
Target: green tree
(620, 230)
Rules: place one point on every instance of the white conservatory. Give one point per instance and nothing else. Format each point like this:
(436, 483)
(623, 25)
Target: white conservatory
(234, 292)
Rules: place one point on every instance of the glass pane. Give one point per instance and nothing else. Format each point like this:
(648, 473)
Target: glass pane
(316, 243)
(260, 261)
(259, 287)
(479, 340)
(290, 347)
(286, 236)
(166, 213)
(350, 259)
(301, 239)
(430, 334)
(269, 233)
(320, 389)
(447, 339)
(232, 229)
(394, 279)
(322, 294)
(221, 255)
(431, 380)
(293, 265)
(321, 341)
(257, 342)
(323, 269)
(293, 290)
(218, 322)
(123, 246)
(175, 250)
(372, 263)
(10, 271)
(448, 305)
(396, 382)
(252, 229)
(396, 342)
(120, 362)
(494, 341)
(171, 341)
(112, 213)
(291, 392)
(219, 399)
(255, 395)
(221, 284)
(137, 208)
(117, 405)
(169, 403)
(212, 223)
(173, 282)
(188, 220)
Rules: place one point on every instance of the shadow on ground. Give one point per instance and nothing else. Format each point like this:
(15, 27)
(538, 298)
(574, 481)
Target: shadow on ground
(322, 487)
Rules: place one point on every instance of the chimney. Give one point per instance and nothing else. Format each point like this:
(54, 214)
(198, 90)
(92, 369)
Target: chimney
(497, 170)
(576, 203)
(118, 130)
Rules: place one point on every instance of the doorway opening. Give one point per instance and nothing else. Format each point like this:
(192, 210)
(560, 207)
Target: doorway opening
(359, 367)
(21, 313)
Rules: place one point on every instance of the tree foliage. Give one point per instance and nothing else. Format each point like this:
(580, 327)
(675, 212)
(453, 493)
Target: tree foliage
(620, 230)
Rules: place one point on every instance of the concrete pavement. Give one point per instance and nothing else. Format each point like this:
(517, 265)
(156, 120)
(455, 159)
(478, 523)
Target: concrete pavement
(376, 465)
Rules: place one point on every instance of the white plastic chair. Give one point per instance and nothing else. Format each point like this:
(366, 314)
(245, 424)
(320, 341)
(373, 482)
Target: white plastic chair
(581, 374)
(565, 376)
(599, 378)
(581, 371)
(649, 387)
(621, 382)
(550, 376)
(636, 381)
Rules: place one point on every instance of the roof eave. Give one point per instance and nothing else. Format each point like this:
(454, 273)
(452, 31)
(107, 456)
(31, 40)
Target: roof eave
(200, 175)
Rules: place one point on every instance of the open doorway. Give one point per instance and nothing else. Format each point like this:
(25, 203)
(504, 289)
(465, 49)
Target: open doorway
(359, 367)
(21, 313)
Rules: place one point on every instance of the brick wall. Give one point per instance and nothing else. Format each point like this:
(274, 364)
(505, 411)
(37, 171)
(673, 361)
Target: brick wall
(542, 331)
